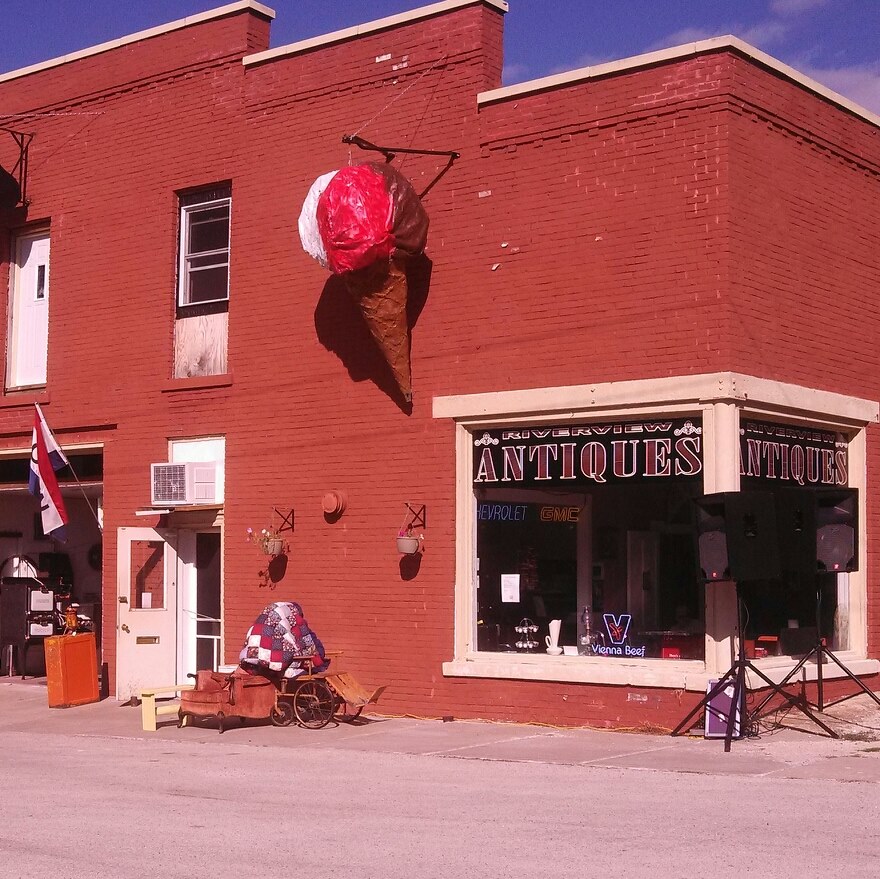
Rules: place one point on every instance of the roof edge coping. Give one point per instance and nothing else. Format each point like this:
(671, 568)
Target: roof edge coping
(686, 50)
(368, 27)
(200, 17)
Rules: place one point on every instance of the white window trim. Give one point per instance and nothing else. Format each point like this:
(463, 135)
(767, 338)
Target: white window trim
(720, 399)
(199, 449)
(182, 271)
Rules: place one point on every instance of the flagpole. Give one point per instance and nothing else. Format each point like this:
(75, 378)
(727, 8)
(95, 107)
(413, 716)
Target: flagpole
(48, 456)
(87, 500)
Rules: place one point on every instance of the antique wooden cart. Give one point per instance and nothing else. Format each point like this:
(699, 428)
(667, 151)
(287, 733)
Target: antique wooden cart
(313, 698)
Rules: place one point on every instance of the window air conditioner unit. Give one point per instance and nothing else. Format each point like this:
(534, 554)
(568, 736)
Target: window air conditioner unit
(182, 484)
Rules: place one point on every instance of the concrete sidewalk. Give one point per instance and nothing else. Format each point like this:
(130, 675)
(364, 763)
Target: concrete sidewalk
(792, 751)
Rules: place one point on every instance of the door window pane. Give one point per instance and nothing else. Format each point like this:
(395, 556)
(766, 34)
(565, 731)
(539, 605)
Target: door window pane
(41, 282)
(147, 574)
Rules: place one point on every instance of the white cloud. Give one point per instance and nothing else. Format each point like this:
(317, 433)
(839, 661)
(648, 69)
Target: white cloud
(513, 73)
(685, 35)
(765, 33)
(860, 83)
(795, 7)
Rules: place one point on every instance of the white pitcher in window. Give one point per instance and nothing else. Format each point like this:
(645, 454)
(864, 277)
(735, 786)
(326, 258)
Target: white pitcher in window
(552, 640)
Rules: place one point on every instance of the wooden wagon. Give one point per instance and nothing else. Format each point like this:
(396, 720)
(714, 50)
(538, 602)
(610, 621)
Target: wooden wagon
(313, 698)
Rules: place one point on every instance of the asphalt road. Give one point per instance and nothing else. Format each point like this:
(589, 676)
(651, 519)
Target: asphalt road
(76, 806)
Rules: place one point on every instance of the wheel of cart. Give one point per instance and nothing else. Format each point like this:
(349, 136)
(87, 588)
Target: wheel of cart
(307, 699)
(313, 698)
(282, 712)
(314, 703)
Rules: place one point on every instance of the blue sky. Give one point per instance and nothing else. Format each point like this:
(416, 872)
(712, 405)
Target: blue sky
(837, 42)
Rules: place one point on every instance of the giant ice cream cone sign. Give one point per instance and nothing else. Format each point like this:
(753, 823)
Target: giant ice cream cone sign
(363, 222)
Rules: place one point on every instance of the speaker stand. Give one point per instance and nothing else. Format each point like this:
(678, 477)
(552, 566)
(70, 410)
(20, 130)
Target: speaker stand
(736, 674)
(820, 652)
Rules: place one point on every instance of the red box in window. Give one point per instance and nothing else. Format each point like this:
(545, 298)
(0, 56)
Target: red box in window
(681, 645)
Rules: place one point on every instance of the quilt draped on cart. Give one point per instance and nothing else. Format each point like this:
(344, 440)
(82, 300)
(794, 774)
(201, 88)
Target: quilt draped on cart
(277, 635)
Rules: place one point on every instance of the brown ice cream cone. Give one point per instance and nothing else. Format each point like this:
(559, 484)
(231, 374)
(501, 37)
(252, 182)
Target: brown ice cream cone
(380, 291)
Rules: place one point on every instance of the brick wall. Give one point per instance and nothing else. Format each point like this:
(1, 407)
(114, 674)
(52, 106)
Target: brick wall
(804, 182)
(604, 231)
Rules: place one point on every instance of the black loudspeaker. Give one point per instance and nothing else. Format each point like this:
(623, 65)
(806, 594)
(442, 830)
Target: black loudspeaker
(736, 536)
(837, 518)
(818, 529)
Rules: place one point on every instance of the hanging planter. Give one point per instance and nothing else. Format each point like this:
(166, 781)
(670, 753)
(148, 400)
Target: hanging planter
(269, 542)
(273, 546)
(407, 544)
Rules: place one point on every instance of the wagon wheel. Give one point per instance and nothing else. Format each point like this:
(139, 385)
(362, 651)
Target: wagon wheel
(313, 704)
(347, 712)
(282, 714)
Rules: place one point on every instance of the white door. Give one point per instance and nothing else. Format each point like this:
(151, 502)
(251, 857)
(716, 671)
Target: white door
(29, 318)
(146, 630)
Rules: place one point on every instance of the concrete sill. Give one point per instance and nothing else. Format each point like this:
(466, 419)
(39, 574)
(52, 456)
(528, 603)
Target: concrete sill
(197, 383)
(24, 397)
(664, 673)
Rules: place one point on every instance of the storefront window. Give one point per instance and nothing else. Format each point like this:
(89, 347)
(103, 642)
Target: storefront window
(591, 525)
(587, 496)
(805, 471)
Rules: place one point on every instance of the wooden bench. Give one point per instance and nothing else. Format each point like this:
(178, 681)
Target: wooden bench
(151, 711)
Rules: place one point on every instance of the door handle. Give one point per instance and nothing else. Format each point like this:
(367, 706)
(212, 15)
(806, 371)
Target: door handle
(125, 628)
(123, 599)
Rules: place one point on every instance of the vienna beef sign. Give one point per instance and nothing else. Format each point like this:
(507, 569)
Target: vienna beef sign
(590, 453)
(786, 453)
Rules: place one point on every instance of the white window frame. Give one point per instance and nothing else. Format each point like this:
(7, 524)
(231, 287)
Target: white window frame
(719, 399)
(223, 254)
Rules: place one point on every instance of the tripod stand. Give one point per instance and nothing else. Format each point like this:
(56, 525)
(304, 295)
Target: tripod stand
(821, 653)
(736, 674)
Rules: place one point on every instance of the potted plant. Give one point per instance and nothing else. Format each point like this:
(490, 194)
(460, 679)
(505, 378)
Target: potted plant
(408, 543)
(268, 540)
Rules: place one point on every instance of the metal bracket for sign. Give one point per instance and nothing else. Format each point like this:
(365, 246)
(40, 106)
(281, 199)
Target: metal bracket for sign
(286, 520)
(20, 168)
(391, 152)
(417, 515)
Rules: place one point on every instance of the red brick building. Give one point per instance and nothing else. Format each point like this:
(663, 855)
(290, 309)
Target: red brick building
(645, 281)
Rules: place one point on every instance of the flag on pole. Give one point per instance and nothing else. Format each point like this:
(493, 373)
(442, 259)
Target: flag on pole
(46, 459)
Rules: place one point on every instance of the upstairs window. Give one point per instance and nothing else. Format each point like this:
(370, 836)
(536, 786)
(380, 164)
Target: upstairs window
(204, 247)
